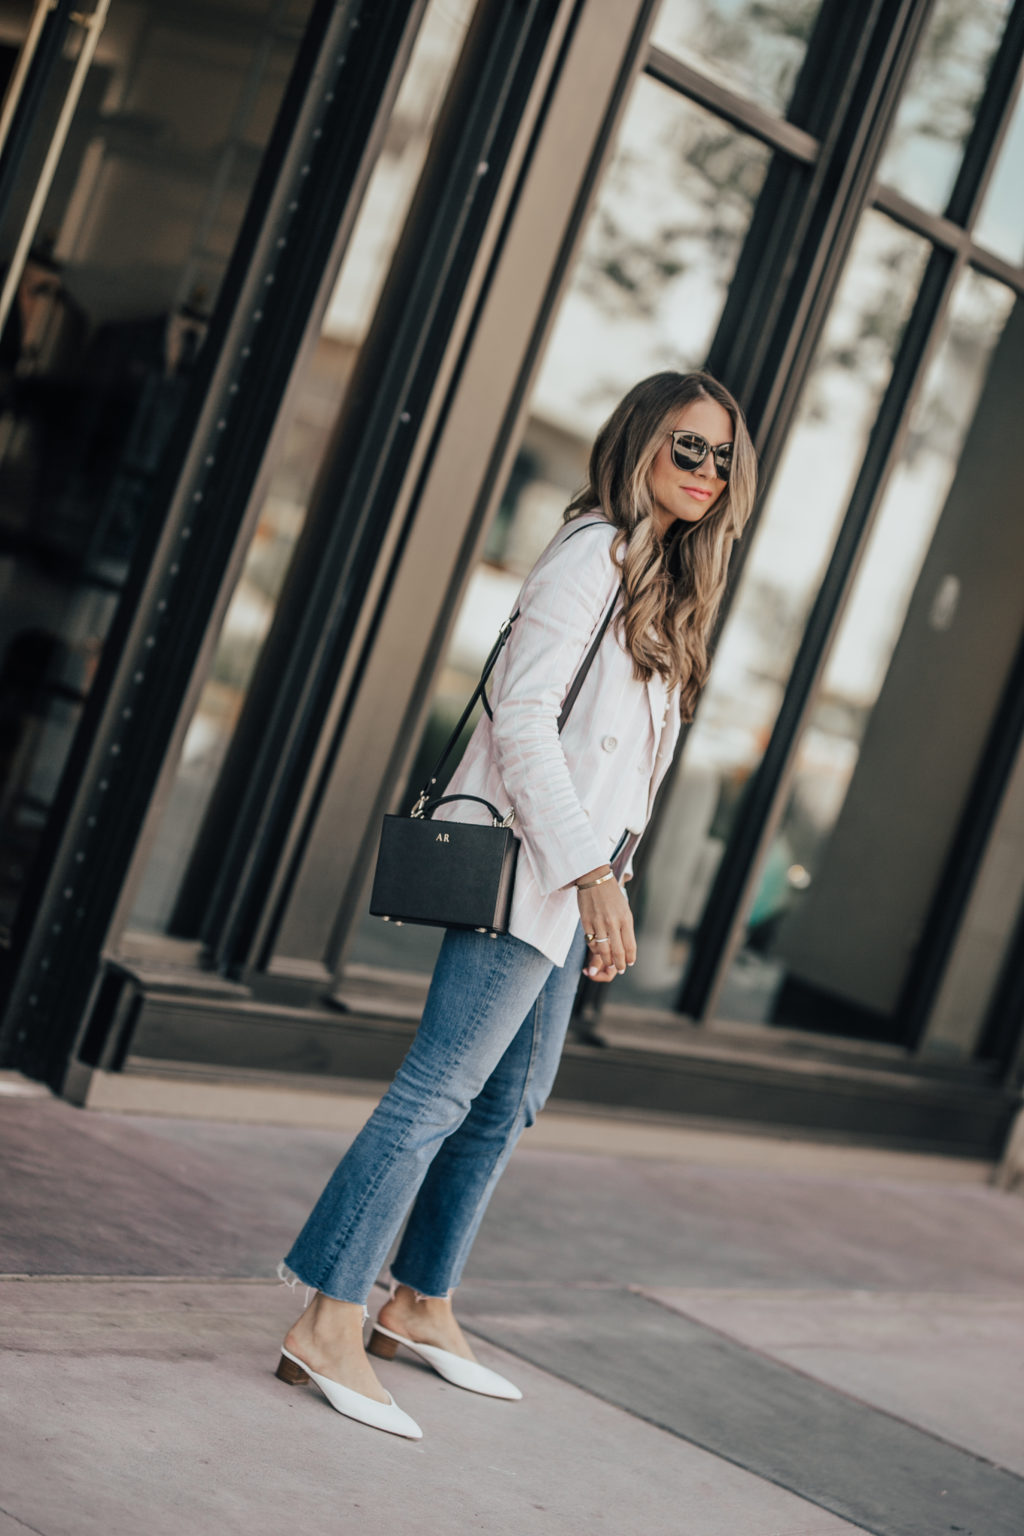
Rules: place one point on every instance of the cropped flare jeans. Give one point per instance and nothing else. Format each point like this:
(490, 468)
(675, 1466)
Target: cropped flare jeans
(479, 1070)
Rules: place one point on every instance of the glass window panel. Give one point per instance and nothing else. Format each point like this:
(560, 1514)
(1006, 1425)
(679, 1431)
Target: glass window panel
(649, 287)
(1000, 223)
(754, 48)
(109, 315)
(657, 259)
(316, 404)
(939, 104)
(783, 571)
(859, 660)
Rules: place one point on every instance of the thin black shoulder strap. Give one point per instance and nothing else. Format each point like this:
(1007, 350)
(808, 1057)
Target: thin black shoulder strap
(488, 667)
(585, 665)
(488, 711)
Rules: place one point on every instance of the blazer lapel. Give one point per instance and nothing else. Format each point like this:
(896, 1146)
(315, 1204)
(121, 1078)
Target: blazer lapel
(665, 732)
(657, 695)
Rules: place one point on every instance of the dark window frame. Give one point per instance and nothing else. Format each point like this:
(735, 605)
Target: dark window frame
(325, 140)
(953, 250)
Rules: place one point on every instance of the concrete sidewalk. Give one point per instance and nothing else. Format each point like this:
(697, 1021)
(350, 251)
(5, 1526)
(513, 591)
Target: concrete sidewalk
(715, 1336)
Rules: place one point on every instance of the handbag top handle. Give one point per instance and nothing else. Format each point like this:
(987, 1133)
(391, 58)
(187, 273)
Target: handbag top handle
(479, 692)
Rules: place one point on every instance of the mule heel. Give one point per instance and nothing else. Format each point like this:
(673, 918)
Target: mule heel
(381, 1346)
(293, 1374)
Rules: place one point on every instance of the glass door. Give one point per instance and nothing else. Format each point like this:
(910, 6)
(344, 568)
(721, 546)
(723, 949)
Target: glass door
(196, 821)
(918, 341)
(799, 523)
(647, 292)
(909, 687)
(136, 130)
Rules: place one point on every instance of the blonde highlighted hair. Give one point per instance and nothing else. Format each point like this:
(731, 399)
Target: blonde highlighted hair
(672, 586)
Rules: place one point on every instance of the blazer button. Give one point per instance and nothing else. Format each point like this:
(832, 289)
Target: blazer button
(609, 743)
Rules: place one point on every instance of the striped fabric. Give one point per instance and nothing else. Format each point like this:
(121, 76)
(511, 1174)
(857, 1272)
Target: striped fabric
(573, 793)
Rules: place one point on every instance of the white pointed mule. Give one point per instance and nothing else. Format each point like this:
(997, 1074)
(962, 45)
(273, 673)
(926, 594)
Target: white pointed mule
(353, 1405)
(460, 1372)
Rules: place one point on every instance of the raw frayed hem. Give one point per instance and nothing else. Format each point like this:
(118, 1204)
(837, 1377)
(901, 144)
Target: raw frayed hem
(420, 1295)
(289, 1278)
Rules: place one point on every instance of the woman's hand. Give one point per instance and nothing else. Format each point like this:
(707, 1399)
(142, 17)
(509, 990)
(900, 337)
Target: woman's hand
(605, 913)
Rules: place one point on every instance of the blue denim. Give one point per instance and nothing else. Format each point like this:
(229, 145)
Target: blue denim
(479, 1070)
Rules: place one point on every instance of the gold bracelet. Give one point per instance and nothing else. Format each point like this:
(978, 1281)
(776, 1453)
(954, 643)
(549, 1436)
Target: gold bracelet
(586, 885)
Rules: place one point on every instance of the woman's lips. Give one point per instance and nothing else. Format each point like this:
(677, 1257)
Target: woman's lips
(697, 492)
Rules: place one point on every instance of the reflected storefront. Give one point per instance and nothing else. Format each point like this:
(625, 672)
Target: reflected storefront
(165, 111)
(795, 930)
(167, 897)
(825, 213)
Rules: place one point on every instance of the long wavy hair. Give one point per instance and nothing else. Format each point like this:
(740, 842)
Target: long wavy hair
(672, 586)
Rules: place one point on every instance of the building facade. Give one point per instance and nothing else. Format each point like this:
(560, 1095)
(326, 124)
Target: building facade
(310, 314)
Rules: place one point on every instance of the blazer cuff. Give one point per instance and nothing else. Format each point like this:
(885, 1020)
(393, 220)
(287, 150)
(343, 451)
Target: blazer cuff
(557, 862)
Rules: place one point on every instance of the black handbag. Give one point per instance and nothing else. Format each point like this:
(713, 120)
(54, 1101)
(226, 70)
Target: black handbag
(458, 874)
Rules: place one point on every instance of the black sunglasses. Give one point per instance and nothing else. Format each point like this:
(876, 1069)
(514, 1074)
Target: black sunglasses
(689, 450)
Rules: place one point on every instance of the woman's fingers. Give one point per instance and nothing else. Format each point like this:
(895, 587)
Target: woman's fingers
(595, 972)
(606, 914)
(629, 939)
(616, 950)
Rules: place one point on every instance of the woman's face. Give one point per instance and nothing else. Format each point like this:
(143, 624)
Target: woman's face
(686, 495)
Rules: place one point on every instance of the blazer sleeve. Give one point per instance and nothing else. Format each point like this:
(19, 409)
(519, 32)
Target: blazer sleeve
(561, 605)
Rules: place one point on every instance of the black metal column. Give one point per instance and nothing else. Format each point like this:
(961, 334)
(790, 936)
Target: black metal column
(793, 251)
(885, 69)
(324, 142)
(40, 73)
(381, 429)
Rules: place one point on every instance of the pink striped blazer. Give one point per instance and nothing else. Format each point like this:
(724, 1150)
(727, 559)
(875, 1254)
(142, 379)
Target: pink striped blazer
(569, 791)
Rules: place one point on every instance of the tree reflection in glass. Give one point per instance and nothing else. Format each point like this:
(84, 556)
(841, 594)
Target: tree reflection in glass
(657, 259)
(650, 282)
(859, 658)
(791, 548)
(648, 289)
(1000, 223)
(941, 98)
(756, 49)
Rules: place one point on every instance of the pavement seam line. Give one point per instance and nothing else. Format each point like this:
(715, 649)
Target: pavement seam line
(796, 1370)
(667, 1429)
(145, 1279)
(21, 1522)
(723, 1454)
(580, 1285)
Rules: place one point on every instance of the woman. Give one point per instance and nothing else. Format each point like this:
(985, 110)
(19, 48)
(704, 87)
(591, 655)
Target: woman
(671, 485)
